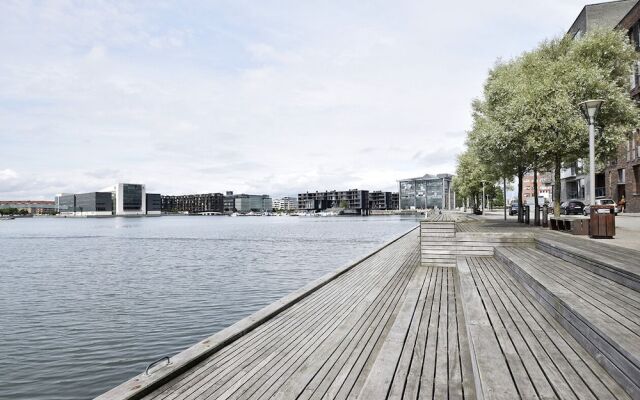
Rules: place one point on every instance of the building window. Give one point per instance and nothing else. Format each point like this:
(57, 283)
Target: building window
(132, 197)
(621, 176)
(636, 176)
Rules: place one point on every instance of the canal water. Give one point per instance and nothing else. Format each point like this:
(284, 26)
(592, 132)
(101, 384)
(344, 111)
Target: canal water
(86, 304)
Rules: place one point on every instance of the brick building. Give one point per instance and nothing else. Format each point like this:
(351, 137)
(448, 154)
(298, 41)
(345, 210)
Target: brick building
(622, 174)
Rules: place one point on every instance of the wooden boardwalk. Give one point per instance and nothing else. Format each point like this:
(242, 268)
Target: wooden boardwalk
(389, 327)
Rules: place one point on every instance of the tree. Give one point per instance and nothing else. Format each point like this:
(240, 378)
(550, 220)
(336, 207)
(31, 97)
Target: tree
(470, 174)
(563, 72)
(528, 118)
(500, 134)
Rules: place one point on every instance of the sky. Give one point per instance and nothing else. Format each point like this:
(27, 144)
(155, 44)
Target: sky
(273, 97)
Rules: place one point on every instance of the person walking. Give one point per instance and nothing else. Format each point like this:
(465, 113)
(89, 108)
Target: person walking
(622, 203)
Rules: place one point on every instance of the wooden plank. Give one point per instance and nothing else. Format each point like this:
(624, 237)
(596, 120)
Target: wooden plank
(547, 380)
(297, 353)
(336, 374)
(427, 377)
(301, 373)
(588, 291)
(408, 350)
(352, 376)
(585, 377)
(621, 265)
(378, 382)
(591, 328)
(412, 381)
(466, 366)
(521, 366)
(320, 365)
(621, 303)
(487, 360)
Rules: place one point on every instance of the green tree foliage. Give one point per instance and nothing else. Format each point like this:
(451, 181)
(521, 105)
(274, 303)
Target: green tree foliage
(528, 117)
(470, 176)
(8, 211)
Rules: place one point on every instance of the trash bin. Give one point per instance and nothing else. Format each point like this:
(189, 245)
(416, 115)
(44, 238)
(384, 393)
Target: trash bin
(602, 224)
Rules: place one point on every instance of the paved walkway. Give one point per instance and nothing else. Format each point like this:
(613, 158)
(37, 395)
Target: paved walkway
(627, 228)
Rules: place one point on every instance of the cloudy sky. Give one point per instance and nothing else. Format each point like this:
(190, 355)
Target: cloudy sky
(260, 97)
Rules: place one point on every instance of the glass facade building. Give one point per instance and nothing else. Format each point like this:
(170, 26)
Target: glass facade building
(132, 196)
(86, 204)
(123, 199)
(428, 191)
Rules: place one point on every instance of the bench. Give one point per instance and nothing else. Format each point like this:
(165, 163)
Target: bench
(575, 225)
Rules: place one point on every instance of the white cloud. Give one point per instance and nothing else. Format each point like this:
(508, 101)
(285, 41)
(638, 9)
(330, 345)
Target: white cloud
(247, 96)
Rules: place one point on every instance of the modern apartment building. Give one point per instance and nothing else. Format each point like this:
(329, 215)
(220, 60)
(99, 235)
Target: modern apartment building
(285, 203)
(205, 203)
(352, 199)
(379, 200)
(245, 203)
(395, 201)
(621, 175)
(427, 191)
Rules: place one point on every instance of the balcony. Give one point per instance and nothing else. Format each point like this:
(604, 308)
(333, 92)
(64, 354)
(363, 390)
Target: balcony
(568, 172)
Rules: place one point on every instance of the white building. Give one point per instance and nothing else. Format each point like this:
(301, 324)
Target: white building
(285, 203)
(130, 199)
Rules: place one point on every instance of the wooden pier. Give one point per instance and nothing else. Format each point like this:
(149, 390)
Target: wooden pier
(517, 321)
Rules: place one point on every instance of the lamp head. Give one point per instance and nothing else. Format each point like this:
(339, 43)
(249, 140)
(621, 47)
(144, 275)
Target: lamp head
(590, 109)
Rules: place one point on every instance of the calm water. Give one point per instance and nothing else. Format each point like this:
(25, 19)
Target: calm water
(86, 304)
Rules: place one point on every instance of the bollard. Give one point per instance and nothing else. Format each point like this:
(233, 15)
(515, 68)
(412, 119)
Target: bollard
(527, 217)
(545, 216)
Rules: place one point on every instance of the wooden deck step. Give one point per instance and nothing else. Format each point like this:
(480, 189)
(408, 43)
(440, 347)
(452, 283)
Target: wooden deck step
(519, 349)
(602, 315)
(616, 263)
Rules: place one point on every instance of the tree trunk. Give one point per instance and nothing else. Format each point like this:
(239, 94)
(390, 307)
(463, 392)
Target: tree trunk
(557, 189)
(520, 204)
(536, 209)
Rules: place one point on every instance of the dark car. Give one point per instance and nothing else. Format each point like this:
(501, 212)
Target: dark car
(572, 207)
(513, 209)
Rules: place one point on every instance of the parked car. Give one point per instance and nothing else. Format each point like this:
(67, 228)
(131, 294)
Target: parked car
(571, 207)
(602, 202)
(513, 208)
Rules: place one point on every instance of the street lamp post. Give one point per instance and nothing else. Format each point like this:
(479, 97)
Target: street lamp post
(483, 198)
(589, 109)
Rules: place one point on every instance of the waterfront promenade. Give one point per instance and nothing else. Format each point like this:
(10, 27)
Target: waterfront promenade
(521, 323)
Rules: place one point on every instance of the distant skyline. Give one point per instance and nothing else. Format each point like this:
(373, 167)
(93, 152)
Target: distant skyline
(255, 97)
